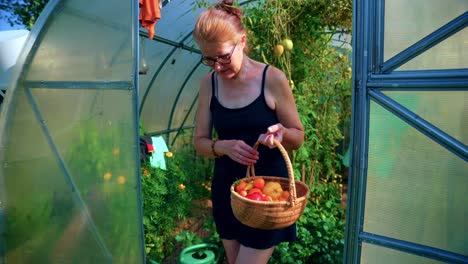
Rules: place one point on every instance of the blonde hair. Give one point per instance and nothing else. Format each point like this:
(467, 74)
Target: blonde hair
(220, 23)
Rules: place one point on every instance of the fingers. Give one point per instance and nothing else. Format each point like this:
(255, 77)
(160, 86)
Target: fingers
(273, 132)
(273, 128)
(244, 159)
(243, 153)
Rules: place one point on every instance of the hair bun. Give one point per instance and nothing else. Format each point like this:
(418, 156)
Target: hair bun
(227, 6)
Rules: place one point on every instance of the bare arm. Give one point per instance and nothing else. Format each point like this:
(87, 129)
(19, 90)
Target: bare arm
(289, 131)
(203, 124)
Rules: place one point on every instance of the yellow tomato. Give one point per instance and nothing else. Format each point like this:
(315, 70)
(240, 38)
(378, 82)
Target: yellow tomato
(121, 179)
(278, 50)
(107, 176)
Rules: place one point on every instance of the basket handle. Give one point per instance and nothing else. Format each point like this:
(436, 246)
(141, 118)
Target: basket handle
(292, 182)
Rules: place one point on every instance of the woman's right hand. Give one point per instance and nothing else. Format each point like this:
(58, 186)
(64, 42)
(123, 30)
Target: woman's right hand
(239, 151)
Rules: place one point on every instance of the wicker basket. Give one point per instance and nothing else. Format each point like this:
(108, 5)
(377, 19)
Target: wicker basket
(271, 214)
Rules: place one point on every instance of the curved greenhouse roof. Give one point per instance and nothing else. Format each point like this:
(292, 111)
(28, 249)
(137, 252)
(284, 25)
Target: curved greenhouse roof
(168, 92)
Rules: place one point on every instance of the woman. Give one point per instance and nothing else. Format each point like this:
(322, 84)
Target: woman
(245, 101)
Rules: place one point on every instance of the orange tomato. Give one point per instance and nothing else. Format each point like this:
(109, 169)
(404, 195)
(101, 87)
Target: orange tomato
(240, 186)
(259, 183)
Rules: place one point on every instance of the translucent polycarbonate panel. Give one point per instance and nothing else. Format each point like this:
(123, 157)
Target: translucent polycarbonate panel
(69, 180)
(186, 104)
(86, 40)
(415, 189)
(452, 53)
(448, 110)
(371, 254)
(185, 12)
(72, 152)
(154, 54)
(157, 108)
(406, 22)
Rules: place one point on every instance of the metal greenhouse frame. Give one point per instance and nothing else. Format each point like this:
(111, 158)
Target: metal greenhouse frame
(372, 77)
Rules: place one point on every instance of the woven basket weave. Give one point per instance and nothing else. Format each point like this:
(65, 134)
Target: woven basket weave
(271, 214)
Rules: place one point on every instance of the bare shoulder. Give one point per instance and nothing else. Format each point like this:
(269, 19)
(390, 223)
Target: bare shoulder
(205, 85)
(276, 80)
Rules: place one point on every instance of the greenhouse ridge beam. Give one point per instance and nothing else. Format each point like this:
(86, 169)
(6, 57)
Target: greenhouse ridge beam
(428, 129)
(426, 43)
(413, 248)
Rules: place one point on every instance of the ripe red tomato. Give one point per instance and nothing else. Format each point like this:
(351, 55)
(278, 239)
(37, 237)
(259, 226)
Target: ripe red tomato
(255, 196)
(254, 190)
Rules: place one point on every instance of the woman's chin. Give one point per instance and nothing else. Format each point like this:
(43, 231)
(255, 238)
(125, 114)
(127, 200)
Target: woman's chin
(228, 74)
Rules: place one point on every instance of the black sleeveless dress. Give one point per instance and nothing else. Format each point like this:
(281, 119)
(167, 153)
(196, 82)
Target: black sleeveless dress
(246, 123)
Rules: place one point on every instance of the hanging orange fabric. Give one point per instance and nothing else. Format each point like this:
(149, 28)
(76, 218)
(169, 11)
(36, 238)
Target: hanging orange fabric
(150, 12)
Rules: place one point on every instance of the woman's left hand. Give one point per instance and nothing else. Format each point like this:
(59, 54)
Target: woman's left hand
(273, 132)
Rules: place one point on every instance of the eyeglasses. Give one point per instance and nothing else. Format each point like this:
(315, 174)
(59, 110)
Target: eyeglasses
(222, 59)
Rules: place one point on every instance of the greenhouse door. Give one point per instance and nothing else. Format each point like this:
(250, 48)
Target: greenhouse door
(409, 173)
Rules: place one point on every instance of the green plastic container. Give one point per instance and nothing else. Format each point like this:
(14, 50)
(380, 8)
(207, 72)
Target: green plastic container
(199, 254)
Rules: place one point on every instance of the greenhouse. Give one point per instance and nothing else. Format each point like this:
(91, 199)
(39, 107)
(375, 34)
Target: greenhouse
(98, 115)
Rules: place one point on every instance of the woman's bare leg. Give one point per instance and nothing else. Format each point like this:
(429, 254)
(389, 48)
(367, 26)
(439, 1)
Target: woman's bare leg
(248, 255)
(231, 247)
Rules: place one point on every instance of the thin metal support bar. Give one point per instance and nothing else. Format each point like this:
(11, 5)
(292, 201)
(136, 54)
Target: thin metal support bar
(413, 248)
(2, 247)
(426, 43)
(68, 178)
(422, 74)
(162, 132)
(379, 33)
(136, 124)
(359, 131)
(107, 85)
(428, 129)
(185, 119)
(180, 45)
(174, 105)
(376, 35)
(419, 88)
(459, 84)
